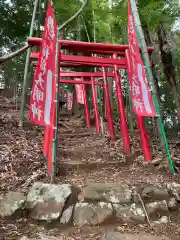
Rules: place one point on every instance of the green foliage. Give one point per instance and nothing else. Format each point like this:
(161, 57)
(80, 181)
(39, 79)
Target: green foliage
(14, 21)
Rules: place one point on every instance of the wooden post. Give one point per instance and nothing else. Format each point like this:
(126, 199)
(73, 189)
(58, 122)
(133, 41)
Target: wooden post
(108, 106)
(121, 110)
(96, 113)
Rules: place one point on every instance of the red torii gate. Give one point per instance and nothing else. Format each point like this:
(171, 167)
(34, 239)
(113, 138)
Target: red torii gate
(98, 48)
(114, 51)
(91, 61)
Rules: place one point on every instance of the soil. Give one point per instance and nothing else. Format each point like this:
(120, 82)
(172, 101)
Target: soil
(82, 157)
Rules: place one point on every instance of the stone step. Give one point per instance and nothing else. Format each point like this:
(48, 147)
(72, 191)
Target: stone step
(83, 148)
(76, 130)
(109, 235)
(81, 152)
(96, 205)
(90, 156)
(76, 135)
(79, 165)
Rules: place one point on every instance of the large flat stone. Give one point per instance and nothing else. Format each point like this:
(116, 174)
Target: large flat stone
(67, 215)
(110, 235)
(172, 204)
(156, 209)
(107, 193)
(11, 203)
(131, 213)
(174, 188)
(46, 201)
(92, 214)
(154, 193)
(42, 237)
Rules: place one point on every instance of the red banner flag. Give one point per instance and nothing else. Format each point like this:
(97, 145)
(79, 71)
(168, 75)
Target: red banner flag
(69, 101)
(44, 85)
(79, 91)
(142, 102)
(42, 104)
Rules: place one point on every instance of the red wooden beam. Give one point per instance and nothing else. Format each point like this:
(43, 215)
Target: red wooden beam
(108, 106)
(34, 55)
(86, 60)
(91, 51)
(85, 65)
(86, 107)
(82, 59)
(102, 52)
(85, 74)
(121, 109)
(94, 101)
(79, 82)
(91, 46)
(33, 41)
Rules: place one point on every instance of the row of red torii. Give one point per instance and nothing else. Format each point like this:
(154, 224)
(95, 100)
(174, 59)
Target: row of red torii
(113, 51)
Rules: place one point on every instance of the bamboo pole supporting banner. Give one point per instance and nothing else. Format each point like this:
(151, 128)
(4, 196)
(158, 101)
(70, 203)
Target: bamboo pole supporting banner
(122, 114)
(86, 109)
(27, 65)
(108, 106)
(150, 79)
(96, 113)
(57, 107)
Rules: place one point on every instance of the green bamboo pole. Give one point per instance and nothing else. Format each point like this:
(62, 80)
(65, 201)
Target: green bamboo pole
(57, 108)
(27, 65)
(98, 96)
(150, 77)
(39, 20)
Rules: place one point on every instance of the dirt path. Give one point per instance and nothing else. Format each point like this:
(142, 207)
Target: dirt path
(83, 157)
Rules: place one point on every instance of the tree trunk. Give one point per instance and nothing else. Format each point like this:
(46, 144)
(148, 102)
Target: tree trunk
(149, 43)
(14, 54)
(169, 68)
(86, 35)
(157, 88)
(176, 99)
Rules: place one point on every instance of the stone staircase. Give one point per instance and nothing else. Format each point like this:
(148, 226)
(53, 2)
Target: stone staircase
(99, 192)
(83, 151)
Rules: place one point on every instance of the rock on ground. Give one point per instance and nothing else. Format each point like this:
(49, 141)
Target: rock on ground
(174, 188)
(92, 214)
(124, 236)
(162, 220)
(41, 237)
(172, 204)
(11, 203)
(46, 201)
(155, 193)
(133, 212)
(107, 193)
(67, 215)
(156, 209)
